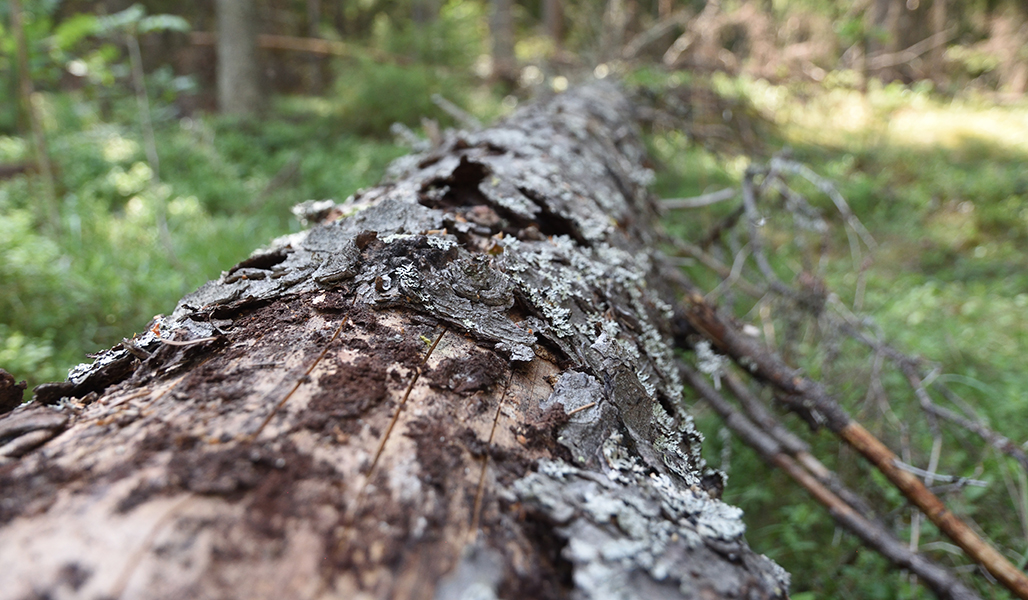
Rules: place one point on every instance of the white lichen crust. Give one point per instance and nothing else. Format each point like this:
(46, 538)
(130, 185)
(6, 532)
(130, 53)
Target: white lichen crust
(632, 534)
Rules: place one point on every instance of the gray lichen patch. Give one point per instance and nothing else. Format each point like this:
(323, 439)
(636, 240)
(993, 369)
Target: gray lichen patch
(630, 535)
(582, 396)
(551, 176)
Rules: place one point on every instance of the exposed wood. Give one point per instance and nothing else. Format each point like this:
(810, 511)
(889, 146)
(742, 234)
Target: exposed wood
(468, 384)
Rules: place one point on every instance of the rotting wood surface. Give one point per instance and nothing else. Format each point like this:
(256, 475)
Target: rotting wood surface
(462, 390)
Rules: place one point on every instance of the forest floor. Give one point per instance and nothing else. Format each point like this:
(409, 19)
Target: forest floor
(939, 182)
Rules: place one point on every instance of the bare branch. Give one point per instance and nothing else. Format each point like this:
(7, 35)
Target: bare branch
(892, 59)
(811, 401)
(931, 475)
(944, 583)
(753, 222)
(827, 188)
(663, 27)
(701, 200)
(462, 116)
(909, 366)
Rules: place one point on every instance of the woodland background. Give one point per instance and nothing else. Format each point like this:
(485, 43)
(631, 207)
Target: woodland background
(914, 109)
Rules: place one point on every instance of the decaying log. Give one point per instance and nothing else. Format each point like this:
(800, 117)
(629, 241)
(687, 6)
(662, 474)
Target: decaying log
(464, 388)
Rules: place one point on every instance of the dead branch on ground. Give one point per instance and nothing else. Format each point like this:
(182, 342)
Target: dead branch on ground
(766, 191)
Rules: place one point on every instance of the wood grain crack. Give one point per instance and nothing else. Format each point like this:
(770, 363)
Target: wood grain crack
(476, 513)
(300, 380)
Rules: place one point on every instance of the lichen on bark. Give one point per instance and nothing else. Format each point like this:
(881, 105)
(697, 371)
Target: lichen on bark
(515, 267)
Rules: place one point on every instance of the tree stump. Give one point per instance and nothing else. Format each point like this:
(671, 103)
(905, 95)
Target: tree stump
(463, 388)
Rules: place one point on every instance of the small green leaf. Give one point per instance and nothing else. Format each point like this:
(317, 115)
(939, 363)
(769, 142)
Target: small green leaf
(73, 30)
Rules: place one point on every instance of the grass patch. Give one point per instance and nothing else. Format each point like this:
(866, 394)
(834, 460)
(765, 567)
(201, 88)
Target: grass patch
(227, 186)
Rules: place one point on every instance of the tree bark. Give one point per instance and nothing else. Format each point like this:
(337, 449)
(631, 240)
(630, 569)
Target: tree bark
(465, 387)
(238, 70)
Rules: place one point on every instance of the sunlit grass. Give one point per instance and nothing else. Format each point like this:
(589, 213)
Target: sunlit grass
(956, 125)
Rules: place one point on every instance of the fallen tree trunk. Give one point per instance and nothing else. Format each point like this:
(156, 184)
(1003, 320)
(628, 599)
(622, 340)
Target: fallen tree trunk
(465, 389)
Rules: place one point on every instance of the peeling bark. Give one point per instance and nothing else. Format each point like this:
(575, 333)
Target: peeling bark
(465, 386)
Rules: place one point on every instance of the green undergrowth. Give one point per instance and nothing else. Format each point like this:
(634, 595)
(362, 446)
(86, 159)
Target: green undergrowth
(78, 274)
(101, 271)
(941, 185)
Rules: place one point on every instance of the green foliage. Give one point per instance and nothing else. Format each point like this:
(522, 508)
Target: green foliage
(454, 39)
(368, 93)
(84, 45)
(135, 21)
(226, 184)
(105, 275)
(368, 90)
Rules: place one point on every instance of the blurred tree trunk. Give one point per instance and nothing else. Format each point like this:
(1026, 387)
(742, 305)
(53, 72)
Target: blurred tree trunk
(314, 32)
(881, 16)
(466, 387)
(615, 21)
(553, 18)
(501, 26)
(1008, 41)
(239, 90)
(51, 211)
(937, 58)
(892, 22)
(425, 11)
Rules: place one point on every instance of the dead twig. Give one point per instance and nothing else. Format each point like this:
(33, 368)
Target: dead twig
(893, 59)
(661, 28)
(460, 115)
(939, 579)
(811, 401)
(699, 201)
